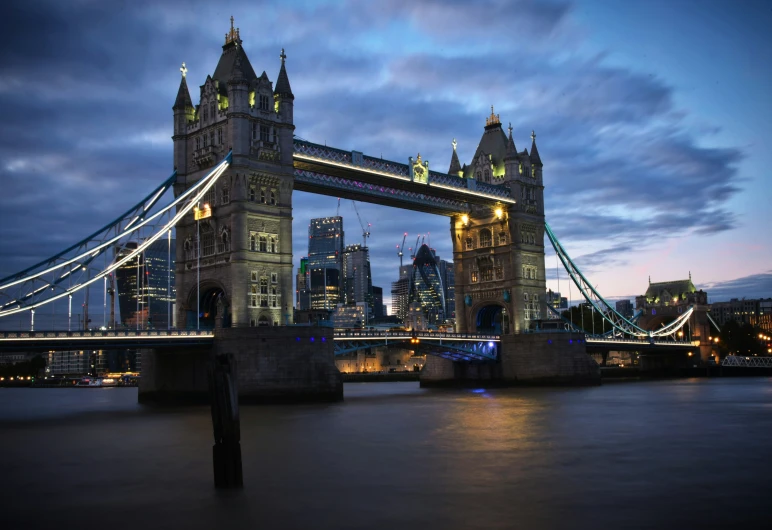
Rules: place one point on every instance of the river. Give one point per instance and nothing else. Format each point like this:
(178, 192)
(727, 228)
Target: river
(690, 453)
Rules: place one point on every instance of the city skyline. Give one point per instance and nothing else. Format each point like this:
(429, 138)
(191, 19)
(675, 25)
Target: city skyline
(669, 164)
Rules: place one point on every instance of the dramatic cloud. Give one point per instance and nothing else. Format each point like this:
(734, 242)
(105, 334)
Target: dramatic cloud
(86, 91)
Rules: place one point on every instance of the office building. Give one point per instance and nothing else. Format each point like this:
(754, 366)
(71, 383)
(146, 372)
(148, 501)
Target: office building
(146, 286)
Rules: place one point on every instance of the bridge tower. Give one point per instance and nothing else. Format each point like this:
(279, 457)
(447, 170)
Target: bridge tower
(499, 253)
(242, 252)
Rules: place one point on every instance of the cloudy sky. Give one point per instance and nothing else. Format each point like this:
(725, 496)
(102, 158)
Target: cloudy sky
(651, 118)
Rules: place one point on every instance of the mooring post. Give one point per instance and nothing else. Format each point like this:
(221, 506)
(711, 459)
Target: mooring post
(226, 452)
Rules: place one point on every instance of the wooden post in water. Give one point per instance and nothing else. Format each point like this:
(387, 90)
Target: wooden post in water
(226, 452)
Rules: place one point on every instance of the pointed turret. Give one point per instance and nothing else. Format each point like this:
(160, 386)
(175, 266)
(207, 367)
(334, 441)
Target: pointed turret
(535, 159)
(183, 100)
(282, 82)
(455, 165)
(511, 149)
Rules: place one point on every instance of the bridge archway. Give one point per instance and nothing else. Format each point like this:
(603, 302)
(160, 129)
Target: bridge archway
(209, 294)
(492, 319)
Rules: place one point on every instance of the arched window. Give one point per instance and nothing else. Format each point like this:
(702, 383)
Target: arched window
(273, 197)
(252, 194)
(478, 175)
(487, 176)
(469, 243)
(252, 242)
(263, 321)
(502, 238)
(225, 195)
(263, 244)
(262, 195)
(253, 296)
(272, 247)
(485, 238)
(211, 109)
(525, 296)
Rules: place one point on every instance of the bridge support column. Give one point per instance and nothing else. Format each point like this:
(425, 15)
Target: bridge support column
(275, 364)
(524, 359)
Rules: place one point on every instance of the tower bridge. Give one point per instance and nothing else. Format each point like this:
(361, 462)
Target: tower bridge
(237, 161)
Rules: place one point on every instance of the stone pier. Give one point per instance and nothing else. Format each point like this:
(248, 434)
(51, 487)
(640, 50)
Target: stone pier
(524, 359)
(274, 365)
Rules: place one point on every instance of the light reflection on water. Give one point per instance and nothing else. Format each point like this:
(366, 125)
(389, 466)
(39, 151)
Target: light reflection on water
(638, 455)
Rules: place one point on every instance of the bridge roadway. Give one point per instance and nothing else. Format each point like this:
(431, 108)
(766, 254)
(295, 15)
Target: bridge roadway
(455, 346)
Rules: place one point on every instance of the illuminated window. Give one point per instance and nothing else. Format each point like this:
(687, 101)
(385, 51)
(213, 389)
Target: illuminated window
(485, 238)
(474, 276)
(207, 244)
(486, 272)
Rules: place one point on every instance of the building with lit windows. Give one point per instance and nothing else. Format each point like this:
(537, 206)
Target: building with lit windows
(146, 291)
(325, 261)
(357, 285)
(350, 316)
(757, 312)
(624, 308)
(426, 287)
(303, 296)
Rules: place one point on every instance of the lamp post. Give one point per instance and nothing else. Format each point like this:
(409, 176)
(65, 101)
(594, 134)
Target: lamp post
(198, 272)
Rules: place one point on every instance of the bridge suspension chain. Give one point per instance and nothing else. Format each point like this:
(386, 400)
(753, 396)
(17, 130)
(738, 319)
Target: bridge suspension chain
(30, 288)
(620, 324)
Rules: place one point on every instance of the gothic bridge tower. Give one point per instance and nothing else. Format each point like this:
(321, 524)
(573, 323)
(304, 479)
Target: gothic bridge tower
(499, 253)
(243, 251)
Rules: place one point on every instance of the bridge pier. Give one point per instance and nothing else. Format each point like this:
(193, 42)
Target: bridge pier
(524, 359)
(274, 365)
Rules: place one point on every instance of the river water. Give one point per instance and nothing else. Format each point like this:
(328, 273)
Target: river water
(664, 454)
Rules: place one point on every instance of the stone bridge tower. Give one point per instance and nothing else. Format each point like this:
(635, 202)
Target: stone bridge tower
(499, 254)
(244, 249)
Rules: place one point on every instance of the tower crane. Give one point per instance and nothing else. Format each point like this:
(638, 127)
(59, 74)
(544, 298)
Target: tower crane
(365, 231)
(401, 248)
(415, 249)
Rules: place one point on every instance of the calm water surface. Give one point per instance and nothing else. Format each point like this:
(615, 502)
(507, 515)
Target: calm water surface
(667, 454)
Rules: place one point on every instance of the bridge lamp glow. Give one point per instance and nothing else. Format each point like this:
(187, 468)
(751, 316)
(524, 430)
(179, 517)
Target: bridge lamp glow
(465, 219)
(499, 211)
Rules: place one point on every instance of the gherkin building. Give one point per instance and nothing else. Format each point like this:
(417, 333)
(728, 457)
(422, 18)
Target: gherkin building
(426, 285)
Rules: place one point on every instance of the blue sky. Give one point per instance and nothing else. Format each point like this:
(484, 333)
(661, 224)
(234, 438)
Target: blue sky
(651, 118)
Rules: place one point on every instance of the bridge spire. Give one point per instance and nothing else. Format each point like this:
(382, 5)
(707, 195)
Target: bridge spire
(183, 94)
(282, 82)
(511, 149)
(535, 158)
(455, 165)
(493, 119)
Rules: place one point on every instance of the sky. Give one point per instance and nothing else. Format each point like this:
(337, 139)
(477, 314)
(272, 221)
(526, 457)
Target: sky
(651, 119)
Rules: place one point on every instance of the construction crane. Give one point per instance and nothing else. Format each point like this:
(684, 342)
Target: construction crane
(365, 231)
(415, 249)
(400, 253)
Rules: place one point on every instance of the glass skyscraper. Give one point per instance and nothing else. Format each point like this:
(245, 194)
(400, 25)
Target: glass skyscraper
(146, 290)
(426, 286)
(325, 261)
